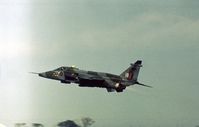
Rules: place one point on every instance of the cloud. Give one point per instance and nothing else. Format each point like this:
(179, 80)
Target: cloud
(14, 49)
(150, 30)
(1, 125)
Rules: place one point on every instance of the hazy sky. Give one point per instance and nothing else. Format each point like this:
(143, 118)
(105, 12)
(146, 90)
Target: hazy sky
(101, 35)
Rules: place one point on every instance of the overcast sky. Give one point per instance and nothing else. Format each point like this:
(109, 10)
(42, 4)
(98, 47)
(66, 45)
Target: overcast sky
(107, 36)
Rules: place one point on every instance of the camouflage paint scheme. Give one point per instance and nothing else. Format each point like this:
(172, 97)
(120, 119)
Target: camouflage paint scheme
(96, 79)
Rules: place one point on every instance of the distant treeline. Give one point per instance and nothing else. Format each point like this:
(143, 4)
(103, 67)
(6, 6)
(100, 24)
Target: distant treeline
(83, 122)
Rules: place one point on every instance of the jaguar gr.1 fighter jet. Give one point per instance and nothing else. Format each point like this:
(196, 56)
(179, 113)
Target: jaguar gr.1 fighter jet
(96, 79)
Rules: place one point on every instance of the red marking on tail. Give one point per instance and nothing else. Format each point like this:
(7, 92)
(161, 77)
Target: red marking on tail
(130, 75)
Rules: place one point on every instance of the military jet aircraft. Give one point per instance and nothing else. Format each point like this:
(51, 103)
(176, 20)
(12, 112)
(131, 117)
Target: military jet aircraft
(96, 79)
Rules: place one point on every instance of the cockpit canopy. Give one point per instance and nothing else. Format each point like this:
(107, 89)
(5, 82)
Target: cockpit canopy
(66, 68)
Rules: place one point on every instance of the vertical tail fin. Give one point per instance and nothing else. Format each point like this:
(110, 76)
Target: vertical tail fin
(132, 72)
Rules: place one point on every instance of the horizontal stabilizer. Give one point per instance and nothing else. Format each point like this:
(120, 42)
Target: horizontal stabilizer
(143, 85)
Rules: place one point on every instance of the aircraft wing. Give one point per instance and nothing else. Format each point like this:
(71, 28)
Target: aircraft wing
(90, 77)
(89, 80)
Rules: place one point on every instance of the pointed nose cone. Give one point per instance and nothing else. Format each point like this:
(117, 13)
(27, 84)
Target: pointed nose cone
(42, 74)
